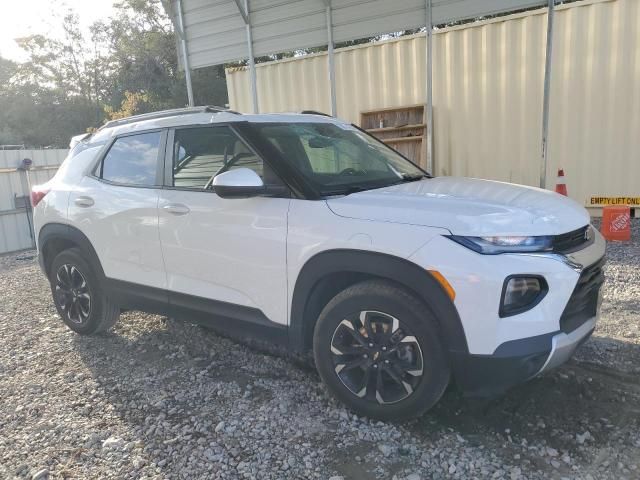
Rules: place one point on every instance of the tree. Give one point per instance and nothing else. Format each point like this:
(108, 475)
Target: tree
(143, 47)
(126, 65)
(132, 104)
(7, 71)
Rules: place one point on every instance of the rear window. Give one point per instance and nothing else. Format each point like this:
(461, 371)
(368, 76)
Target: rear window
(133, 160)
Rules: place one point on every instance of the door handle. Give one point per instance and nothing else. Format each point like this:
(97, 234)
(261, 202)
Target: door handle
(176, 209)
(84, 202)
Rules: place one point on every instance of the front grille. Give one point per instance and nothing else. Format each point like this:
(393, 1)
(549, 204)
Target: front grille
(572, 241)
(583, 303)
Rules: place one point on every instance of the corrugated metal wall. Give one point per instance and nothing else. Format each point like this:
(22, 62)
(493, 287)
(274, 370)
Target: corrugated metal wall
(14, 227)
(488, 80)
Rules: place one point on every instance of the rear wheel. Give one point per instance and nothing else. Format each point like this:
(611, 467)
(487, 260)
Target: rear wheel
(78, 296)
(378, 350)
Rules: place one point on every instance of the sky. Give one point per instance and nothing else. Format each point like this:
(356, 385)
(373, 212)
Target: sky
(19, 18)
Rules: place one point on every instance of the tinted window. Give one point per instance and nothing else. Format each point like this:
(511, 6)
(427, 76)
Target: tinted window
(199, 154)
(133, 159)
(330, 158)
(336, 158)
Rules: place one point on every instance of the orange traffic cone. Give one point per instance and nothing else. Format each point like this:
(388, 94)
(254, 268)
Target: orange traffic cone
(616, 223)
(561, 187)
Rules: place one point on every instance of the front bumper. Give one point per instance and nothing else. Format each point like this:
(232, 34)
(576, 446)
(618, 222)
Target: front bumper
(505, 351)
(564, 344)
(478, 282)
(517, 361)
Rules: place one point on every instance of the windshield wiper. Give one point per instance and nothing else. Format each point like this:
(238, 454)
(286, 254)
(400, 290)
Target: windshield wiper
(361, 188)
(406, 177)
(348, 190)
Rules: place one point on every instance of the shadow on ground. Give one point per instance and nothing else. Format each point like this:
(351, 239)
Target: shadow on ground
(553, 411)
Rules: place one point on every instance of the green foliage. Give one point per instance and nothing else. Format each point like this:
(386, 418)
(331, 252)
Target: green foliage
(126, 65)
(7, 70)
(132, 103)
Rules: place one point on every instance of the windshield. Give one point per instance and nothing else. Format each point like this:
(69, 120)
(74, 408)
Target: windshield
(338, 159)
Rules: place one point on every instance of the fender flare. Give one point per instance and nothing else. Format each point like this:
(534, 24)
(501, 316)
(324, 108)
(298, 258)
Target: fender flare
(401, 271)
(59, 231)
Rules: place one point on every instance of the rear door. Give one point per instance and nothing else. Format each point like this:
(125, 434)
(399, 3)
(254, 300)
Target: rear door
(116, 207)
(222, 256)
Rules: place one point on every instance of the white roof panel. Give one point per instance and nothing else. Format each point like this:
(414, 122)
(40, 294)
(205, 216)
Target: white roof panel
(216, 33)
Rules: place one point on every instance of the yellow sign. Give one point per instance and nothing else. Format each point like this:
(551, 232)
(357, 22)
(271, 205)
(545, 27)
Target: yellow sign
(631, 201)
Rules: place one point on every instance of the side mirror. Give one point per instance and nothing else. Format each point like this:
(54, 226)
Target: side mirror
(238, 183)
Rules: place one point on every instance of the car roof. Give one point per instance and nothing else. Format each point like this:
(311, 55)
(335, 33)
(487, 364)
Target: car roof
(203, 116)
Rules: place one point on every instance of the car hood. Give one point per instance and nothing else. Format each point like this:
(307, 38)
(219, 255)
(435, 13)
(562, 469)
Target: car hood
(466, 206)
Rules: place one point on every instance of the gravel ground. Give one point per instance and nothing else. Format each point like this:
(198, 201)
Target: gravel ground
(160, 399)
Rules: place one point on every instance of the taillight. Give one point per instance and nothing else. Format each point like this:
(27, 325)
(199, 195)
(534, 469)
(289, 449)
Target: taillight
(37, 194)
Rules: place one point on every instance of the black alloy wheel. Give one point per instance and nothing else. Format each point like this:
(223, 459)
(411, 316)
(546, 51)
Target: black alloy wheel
(79, 295)
(376, 357)
(72, 294)
(378, 349)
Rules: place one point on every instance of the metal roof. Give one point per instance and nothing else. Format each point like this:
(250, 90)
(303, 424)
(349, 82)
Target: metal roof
(215, 30)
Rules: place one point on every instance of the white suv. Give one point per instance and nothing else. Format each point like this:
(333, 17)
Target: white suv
(307, 231)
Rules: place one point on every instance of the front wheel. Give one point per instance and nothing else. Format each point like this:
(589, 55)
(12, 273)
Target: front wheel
(378, 350)
(78, 296)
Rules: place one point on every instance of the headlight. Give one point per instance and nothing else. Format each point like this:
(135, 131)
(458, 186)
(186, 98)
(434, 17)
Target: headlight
(505, 244)
(521, 293)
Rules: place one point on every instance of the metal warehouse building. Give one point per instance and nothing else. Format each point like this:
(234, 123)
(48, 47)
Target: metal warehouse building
(492, 115)
(488, 94)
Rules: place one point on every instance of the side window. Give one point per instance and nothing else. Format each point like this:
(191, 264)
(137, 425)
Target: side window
(133, 160)
(199, 154)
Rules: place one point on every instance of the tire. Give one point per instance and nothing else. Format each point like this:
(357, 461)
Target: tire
(78, 294)
(413, 375)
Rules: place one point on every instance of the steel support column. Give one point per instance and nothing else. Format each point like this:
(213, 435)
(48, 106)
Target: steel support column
(331, 59)
(252, 62)
(185, 55)
(546, 95)
(429, 85)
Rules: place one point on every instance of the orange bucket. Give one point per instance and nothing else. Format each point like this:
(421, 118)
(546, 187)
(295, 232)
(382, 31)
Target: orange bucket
(616, 223)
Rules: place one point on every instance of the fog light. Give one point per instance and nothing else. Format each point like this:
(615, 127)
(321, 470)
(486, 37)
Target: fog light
(521, 293)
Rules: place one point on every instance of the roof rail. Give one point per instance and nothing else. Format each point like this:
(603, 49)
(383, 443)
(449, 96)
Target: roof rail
(314, 112)
(167, 113)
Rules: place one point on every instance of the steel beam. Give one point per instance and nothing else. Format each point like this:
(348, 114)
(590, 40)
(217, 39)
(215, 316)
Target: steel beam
(185, 55)
(169, 9)
(546, 95)
(244, 13)
(331, 59)
(429, 84)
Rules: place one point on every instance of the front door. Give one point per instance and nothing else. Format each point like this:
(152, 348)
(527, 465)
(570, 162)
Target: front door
(223, 256)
